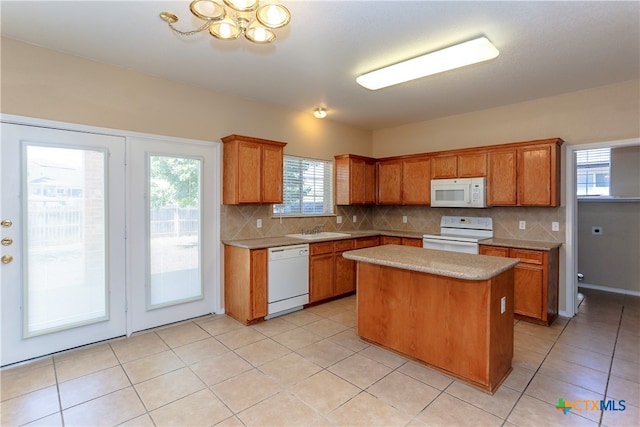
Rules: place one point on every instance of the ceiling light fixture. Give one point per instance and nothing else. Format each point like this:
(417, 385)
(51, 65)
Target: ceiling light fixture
(457, 56)
(229, 19)
(320, 113)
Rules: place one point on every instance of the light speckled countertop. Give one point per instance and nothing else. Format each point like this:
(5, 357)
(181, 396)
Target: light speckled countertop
(442, 263)
(270, 242)
(522, 244)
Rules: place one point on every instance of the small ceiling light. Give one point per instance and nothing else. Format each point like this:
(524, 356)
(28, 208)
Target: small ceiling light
(230, 19)
(457, 56)
(320, 113)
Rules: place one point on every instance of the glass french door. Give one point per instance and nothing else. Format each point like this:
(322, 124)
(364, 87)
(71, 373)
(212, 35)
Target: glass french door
(62, 216)
(172, 247)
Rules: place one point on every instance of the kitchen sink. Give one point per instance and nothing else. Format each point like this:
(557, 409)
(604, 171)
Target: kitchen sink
(322, 235)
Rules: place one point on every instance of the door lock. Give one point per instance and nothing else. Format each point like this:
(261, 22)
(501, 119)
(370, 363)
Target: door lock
(6, 259)
(6, 223)
(6, 241)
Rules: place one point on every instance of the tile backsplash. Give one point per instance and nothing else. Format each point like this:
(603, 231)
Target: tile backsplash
(240, 222)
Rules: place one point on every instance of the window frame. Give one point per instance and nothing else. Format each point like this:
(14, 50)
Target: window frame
(328, 196)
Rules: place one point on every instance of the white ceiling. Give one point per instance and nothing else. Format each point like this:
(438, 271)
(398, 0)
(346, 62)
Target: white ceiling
(546, 49)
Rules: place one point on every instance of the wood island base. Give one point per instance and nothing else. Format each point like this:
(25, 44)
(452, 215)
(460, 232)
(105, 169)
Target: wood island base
(454, 325)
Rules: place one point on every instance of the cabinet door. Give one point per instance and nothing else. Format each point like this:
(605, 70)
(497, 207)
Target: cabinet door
(472, 165)
(409, 241)
(534, 176)
(390, 182)
(356, 181)
(444, 167)
(367, 242)
(345, 274)
(258, 291)
(249, 172)
(320, 277)
(370, 182)
(416, 182)
(528, 298)
(271, 174)
(501, 178)
(494, 251)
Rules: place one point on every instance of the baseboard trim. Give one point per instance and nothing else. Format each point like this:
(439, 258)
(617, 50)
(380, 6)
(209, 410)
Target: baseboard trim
(609, 289)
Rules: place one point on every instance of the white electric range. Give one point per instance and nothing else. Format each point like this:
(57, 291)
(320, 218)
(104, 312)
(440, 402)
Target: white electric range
(459, 234)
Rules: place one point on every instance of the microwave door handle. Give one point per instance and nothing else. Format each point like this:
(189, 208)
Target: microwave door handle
(450, 242)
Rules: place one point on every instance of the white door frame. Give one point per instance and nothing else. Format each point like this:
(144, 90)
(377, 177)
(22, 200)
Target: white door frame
(215, 192)
(571, 219)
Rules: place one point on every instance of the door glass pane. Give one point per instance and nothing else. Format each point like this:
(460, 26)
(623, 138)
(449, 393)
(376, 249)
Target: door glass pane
(174, 230)
(65, 283)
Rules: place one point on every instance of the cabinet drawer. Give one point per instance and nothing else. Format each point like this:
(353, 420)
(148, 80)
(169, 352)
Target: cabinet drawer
(530, 257)
(344, 245)
(321, 248)
(494, 251)
(367, 242)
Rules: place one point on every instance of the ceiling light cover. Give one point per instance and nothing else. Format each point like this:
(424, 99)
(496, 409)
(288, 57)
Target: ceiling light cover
(457, 56)
(320, 113)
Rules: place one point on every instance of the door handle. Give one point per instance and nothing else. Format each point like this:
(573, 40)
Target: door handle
(6, 259)
(6, 223)
(6, 241)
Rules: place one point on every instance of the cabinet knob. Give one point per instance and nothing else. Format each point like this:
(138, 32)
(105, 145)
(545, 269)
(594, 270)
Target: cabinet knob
(6, 259)
(6, 241)
(6, 223)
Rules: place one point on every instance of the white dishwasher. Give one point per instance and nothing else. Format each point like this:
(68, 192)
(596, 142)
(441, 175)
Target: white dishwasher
(287, 279)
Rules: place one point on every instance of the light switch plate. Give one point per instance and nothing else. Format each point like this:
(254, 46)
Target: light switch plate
(404, 219)
(523, 225)
(355, 218)
(555, 226)
(259, 223)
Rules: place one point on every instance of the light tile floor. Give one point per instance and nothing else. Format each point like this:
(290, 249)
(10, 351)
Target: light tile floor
(309, 368)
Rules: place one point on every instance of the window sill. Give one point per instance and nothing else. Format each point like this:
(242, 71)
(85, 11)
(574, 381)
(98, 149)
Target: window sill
(608, 199)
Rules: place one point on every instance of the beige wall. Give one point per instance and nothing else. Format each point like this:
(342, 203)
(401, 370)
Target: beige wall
(610, 259)
(600, 114)
(46, 84)
(625, 172)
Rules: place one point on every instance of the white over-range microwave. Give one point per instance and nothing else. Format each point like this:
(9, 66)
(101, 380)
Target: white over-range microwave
(459, 193)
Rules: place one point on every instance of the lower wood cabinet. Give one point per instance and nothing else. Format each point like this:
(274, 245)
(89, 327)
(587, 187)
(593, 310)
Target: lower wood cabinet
(535, 283)
(404, 241)
(245, 283)
(330, 274)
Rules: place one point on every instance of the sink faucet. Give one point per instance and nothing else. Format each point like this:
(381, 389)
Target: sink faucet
(315, 230)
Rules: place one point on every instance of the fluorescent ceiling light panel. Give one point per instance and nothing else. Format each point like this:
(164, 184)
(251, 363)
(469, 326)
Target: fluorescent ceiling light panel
(457, 56)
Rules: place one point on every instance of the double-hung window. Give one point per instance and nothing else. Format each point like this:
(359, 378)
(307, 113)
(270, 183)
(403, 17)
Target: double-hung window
(308, 188)
(593, 171)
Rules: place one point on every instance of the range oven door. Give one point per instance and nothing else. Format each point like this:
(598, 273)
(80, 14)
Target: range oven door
(450, 245)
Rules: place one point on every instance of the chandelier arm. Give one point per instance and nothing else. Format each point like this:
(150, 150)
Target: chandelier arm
(192, 32)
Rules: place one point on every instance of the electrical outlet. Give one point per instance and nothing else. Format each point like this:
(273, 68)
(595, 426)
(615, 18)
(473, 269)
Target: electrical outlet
(596, 231)
(339, 219)
(503, 304)
(355, 218)
(523, 225)
(259, 223)
(555, 226)
(404, 219)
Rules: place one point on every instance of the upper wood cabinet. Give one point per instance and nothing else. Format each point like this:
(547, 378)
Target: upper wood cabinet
(355, 178)
(472, 165)
(416, 181)
(444, 167)
(252, 170)
(390, 182)
(539, 174)
(464, 165)
(404, 181)
(501, 178)
(525, 175)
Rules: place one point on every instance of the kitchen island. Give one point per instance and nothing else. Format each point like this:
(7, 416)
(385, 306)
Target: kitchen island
(451, 311)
